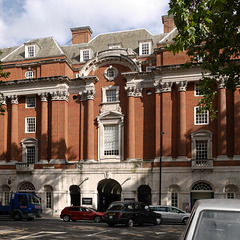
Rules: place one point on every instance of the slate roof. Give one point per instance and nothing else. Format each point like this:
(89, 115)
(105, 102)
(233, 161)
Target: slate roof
(50, 48)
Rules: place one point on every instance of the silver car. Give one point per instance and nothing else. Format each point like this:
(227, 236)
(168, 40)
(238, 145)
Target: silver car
(214, 219)
(171, 214)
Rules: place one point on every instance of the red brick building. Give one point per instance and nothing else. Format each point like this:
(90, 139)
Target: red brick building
(85, 122)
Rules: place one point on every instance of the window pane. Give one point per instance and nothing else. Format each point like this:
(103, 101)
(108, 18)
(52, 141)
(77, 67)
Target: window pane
(201, 117)
(86, 55)
(30, 51)
(145, 48)
(201, 149)
(48, 199)
(174, 199)
(31, 126)
(111, 95)
(111, 140)
(31, 102)
(30, 155)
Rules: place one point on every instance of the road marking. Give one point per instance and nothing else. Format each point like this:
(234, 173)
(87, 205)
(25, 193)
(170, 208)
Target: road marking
(38, 235)
(9, 231)
(98, 233)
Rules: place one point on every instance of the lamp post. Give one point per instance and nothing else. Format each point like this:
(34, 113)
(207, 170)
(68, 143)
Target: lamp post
(160, 170)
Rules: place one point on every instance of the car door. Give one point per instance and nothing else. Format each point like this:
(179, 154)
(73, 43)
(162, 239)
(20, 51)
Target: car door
(140, 213)
(161, 210)
(86, 214)
(75, 213)
(174, 214)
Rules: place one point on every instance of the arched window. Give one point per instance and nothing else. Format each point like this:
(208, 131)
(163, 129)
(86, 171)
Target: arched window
(174, 192)
(48, 196)
(202, 186)
(27, 187)
(29, 150)
(231, 191)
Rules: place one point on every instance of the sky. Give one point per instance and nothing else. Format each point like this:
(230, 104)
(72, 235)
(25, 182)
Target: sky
(23, 20)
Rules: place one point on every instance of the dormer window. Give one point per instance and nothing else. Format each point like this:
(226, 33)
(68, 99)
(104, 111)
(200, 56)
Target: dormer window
(145, 48)
(85, 55)
(29, 51)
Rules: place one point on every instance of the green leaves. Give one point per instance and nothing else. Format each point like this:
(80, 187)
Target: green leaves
(209, 30)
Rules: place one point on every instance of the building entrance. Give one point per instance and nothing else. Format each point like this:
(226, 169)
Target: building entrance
(144, 194)
(75, 195)
(201, 190)
(109, 190)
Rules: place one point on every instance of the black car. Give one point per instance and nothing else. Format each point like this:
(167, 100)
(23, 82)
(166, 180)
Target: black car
(129, 213)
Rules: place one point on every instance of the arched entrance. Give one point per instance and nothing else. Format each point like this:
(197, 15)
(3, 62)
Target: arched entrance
(145, 194)
(201, 190)
(109, 190)
(75, 195)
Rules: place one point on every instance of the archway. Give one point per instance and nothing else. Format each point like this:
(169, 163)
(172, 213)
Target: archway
(109, 190)
(75, 195)
(201, 190)
(145, 194)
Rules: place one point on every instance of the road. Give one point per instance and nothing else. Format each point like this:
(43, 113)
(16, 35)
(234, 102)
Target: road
(53, 228)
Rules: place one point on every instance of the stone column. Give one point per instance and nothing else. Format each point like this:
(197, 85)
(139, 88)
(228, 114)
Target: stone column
(131, 123)
(237, 124)
(44, 127)
(182, 87)
(90, 125)
(4, 129)
(222, 120)
(14, 148)
(59, 126)
(167, 119)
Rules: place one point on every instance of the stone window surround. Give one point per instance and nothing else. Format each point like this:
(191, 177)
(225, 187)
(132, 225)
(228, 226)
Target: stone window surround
(82, 55)
(104, 95)
(141, 46)
(26, 125)
(202, 135)
(29, 142)
(195, 116)
(26, 101)
(110, 78)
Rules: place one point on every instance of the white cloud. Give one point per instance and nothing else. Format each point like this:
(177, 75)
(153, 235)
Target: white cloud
(43, 18)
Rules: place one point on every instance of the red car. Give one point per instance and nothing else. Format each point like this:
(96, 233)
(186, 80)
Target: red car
(75, 213)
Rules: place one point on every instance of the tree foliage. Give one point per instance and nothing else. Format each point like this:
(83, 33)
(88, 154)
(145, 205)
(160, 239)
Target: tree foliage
(2, 75)
(209, 32)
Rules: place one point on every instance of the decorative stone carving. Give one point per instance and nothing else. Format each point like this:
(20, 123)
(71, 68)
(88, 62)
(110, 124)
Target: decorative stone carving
(60, 95)
(166, 86)
(221, 83)
(3, 100)
(43, 96)
(133, 91)
(87, 94)
(14, 99)
(182, 86)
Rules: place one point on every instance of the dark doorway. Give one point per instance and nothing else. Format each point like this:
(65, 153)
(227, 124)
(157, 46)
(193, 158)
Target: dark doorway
(75, 195)
(145, 194)
(109, 190)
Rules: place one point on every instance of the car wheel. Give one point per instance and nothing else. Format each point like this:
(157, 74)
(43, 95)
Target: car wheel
(17, 216)
(97, 219)
(157, 221)
(66, 218)
(111, 224)
(130, 223)
(185, 221)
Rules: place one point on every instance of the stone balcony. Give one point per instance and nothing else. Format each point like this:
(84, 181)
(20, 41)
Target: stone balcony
(203, 164)
(24, 167)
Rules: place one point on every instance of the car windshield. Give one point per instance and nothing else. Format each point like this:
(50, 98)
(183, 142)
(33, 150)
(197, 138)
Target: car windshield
(32, 199)
(115, 207)
(217, 225)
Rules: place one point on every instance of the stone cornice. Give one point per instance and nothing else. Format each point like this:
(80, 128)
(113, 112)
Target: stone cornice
(60, 95)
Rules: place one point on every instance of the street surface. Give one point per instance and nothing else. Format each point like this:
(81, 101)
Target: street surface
(54, 228)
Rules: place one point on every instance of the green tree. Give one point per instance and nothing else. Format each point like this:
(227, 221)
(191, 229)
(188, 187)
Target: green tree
(2, 75)
(209, 32)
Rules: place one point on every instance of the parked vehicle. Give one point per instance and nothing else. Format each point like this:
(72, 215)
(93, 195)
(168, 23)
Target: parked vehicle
(129, 213)
(22, 206)
(75, 213)
(215, 219)
(171, 214)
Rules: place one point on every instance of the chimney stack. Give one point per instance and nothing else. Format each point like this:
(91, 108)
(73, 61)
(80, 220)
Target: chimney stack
(168, 23)
(81, 35)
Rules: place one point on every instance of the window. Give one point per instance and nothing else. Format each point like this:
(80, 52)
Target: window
(30, 102)
(201, 149)
(201, 145)
(174, 199)
(85, 55)
(4, 199)
(29, 74)
(30, 125)
(30, 51)
(29, 150)
(111, 95)
(111, 140)
(145, 48)
(31, 154)
(201, 118)
(48, 196)
(110, 73)
(197, 89)
(230, 195)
